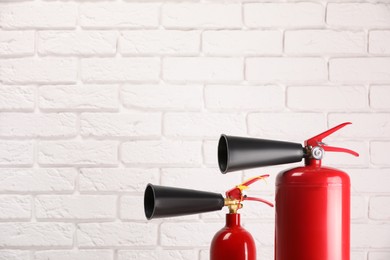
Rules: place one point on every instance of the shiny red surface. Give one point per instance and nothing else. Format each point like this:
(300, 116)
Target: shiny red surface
(312, 214)
(233, 242)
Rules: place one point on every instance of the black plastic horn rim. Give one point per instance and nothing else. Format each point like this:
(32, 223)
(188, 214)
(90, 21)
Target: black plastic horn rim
(149, 200)
(223, 154)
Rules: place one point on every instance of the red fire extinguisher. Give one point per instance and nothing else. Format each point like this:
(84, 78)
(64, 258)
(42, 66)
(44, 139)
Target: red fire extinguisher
(312, 201)
(313, 207)
(232, 242)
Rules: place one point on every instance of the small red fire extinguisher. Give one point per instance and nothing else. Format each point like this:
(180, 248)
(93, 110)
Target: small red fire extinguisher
(231, 242)
(312, 201)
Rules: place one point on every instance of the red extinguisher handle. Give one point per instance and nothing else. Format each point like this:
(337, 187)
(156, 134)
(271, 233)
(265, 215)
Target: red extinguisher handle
(237, 193)
(260, 200)
(339, 149)
(316, 141)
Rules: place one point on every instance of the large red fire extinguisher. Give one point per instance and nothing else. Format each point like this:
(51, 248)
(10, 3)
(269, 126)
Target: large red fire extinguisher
(232, 242)
(312, 201)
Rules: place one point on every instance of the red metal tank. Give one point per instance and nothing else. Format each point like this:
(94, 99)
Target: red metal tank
(312, 213)
(233, 241)
(313, 208)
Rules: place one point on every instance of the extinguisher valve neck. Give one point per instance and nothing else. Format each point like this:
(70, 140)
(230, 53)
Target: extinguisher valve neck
(233, 205)
(316, 152)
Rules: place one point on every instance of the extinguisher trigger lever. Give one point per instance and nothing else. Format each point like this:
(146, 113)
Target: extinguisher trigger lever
(316, 147)
(235, 196)
(339, 149)
(260, 200)
(245, 184)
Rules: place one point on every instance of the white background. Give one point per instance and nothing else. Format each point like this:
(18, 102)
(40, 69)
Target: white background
(99, 98)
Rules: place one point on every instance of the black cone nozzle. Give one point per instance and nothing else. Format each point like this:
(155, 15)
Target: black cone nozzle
(240, 153)
(160, 201)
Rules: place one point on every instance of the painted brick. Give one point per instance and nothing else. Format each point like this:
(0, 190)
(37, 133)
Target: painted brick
(160, 42)
(79, 97)
(118, 70)
(378, 255)
(358, 15)
(209, 151)
(73, 254)
(132, 208)
(165, 152)
(75, 207)
(198, 178)
(361, 183)
(16, 43)
(77, 42)
(267, 252)
(15, 207)
(286, 69)
(333, 98)
(117, 125)
(241, 42)
(121, 15)
(358, 255)
(14, 255)
(116, 234)
(359, 70)
(36, 125)
(205, 255)
(37, 180)
(375, 235)
(379, 42)
(365, 125)
(284, 14)
(203, 69)
(166, 97)
(262, 233)
(230, 98)
(203, 125)
(324, 42)
(157, 254)
(188, 233)
(116, 180)
(204, 15)
(33, 234)
(78, 153)
(42, 70)
(378, 151)
(359, 207)
(378, 207)
(17, 98)
(278, 125)
(38, 15)
(16, 153)
(379, 97)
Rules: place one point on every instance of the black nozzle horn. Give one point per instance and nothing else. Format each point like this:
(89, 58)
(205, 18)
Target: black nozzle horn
(240, 153)
(161, 201)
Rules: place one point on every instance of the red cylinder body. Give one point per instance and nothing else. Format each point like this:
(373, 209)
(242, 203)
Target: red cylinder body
(233, 242)
(312, 213)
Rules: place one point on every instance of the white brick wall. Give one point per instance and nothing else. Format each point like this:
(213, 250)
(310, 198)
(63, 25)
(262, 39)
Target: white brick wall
(99, 98)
